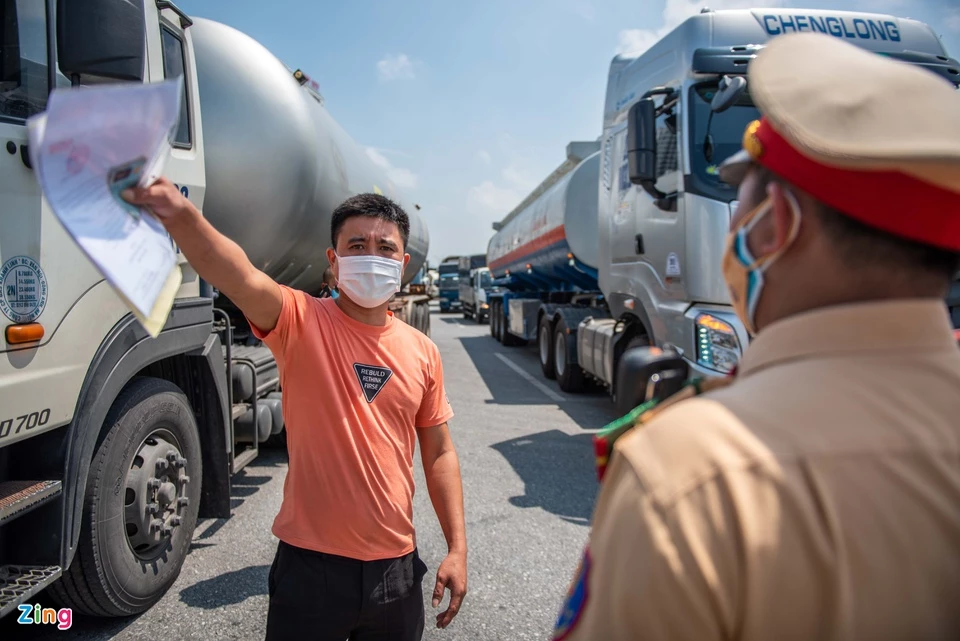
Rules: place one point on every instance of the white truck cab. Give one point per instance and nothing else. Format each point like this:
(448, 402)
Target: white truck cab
(664, 212)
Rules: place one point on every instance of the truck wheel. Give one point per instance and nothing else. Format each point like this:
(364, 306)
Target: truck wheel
(140, 506)
(545, 344)
(494, 320)
(569, 374)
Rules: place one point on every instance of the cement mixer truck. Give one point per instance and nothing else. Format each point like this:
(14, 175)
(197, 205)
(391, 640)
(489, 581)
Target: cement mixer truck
(618, 280)
(113, 443)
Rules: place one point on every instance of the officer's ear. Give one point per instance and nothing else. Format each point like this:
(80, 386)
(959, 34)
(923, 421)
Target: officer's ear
(783, 221)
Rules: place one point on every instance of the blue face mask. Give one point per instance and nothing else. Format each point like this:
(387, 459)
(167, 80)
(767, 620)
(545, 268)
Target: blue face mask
(334, 293)
(742, 272)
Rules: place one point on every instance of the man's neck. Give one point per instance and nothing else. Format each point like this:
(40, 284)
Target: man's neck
(376, 316)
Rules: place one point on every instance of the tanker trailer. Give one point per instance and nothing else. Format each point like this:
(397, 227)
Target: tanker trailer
(278, 164)
(113, 443)
(544, 260)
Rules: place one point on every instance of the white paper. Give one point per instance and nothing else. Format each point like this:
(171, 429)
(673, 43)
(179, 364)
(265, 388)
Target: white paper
(89, 145)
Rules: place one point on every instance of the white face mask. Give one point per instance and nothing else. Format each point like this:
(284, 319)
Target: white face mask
(369, 281)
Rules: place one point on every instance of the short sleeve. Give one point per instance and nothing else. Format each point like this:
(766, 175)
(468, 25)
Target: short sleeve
(293, 313)
(639, 577)
(434, 408)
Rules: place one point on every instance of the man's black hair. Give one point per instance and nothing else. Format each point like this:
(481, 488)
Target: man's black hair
(861, 245)
(372, 206)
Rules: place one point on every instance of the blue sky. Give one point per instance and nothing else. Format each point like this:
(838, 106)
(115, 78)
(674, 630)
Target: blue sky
(469, 105)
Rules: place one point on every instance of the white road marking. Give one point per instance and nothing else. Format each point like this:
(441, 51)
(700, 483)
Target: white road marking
(553, 396)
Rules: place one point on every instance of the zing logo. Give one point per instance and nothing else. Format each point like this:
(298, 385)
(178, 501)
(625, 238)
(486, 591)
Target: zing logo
(62, 618)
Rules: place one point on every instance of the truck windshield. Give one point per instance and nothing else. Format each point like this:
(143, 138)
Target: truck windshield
(23, 59)
(449, 280)
(726, 132)
(485, 280)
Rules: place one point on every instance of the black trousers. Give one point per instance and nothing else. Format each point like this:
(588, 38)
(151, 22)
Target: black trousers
(324, 597)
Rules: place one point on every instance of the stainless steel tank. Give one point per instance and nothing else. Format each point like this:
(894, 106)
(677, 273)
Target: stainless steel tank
(277, 163)
(561, 221)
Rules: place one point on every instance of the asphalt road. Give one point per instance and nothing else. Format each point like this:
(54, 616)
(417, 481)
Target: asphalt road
(529, 486)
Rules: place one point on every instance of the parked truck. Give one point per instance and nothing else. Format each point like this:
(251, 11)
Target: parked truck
(449, 284)
(475, 282)
(113, 443)
(671, 115)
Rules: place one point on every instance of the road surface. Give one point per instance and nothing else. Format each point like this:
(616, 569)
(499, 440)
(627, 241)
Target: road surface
(529, 486)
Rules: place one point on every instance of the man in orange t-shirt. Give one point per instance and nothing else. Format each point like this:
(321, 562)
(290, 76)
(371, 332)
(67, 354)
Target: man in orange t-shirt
(359, 389)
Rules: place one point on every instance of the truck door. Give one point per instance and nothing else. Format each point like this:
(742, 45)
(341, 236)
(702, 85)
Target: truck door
(646, 241)
(662, 228)
(170, 55)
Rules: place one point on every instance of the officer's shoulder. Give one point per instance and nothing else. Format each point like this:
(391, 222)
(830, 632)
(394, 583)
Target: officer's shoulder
(691, 443)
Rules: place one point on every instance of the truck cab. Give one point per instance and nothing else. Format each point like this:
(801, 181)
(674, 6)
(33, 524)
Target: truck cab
(473, 294)
(449, 285)
(664, 212)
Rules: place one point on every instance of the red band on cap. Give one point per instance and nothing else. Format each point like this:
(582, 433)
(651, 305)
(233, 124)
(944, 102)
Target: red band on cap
(888, 200)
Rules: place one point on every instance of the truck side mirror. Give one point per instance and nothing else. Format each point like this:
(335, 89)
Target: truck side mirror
(101, 38)
(642, 143)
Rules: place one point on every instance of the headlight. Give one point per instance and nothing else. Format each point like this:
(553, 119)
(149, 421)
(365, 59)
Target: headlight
(484, 306)
(717, 344)
(444, 300)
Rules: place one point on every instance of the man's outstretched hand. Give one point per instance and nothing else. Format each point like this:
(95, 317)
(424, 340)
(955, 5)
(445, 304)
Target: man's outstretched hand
(163, 200)
(452, 575)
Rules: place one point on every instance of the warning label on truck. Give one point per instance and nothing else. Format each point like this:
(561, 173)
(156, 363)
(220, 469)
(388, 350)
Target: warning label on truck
(24, 289)
(372, 379)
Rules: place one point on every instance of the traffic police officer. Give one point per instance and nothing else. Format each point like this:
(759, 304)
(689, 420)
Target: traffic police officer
(818, 495)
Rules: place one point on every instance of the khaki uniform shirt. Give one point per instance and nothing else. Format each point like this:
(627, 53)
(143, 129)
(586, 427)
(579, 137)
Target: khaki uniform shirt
(815, 498)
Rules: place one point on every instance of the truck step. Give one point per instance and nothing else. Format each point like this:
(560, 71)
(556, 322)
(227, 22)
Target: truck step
(19, 497)
(18, 583)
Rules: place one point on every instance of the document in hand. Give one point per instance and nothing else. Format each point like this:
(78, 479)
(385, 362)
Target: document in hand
(91, 144)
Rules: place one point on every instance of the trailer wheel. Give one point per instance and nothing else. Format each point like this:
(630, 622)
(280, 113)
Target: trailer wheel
(569, 374)
(545, 345)
(140, 506)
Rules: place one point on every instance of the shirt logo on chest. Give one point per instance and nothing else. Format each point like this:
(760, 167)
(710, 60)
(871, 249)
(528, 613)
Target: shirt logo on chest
(372, 379)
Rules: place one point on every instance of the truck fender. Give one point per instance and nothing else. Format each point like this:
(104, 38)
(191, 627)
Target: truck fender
(637, 314)
(645, 373)
(125, 351)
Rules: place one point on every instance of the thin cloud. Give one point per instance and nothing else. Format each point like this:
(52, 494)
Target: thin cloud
(399, 176)
(492, 201)
(484, 156)
(636, 41)
(395, 67)
(583, 8)
(952, 20)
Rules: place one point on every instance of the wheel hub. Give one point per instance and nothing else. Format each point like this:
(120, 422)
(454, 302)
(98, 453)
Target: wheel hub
(156, 495)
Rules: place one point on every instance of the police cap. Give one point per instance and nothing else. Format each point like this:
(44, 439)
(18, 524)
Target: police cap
(874, 138)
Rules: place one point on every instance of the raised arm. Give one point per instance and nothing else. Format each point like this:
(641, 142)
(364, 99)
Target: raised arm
(218, 260)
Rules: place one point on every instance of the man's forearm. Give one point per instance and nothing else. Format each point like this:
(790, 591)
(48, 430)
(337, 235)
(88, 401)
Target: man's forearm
(446, 494)
(217, 259)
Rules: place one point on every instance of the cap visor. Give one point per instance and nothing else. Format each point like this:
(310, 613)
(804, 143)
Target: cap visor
(733, 169)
